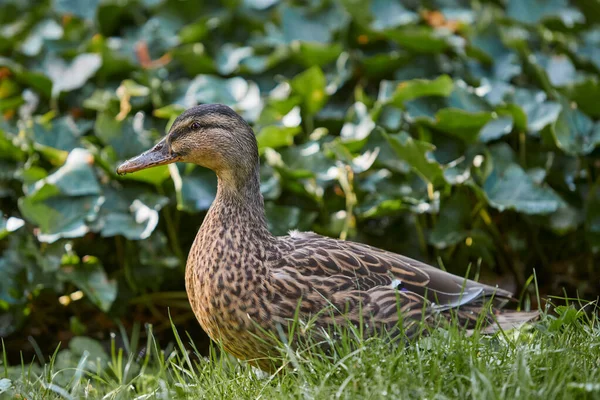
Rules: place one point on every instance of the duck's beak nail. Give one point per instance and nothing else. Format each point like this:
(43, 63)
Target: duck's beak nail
(160, 154)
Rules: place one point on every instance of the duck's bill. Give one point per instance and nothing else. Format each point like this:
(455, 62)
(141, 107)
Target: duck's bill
(160, 154)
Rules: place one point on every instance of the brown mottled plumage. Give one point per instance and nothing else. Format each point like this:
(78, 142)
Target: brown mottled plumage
(242, 281)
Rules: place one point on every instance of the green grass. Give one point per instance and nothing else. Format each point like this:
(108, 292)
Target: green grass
(555, 358)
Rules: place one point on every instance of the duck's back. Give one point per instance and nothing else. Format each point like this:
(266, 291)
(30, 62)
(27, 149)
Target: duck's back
(364, 282)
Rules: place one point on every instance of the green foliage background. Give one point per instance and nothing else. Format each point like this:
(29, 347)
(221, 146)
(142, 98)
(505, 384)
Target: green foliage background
(462, 133)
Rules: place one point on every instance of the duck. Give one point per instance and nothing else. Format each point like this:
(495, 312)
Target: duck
(247, 286)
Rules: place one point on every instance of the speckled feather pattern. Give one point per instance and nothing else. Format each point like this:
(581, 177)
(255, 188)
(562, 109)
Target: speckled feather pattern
(242, 281)
(245, 284)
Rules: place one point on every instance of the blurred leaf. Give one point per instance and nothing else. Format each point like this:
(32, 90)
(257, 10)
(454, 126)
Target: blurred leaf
(93, 281)
(534, 12)
(8, 149)
(509, 187)
(83, 9)
(75, 178)
(194, 59)
(538, 110)
(303, 161)
(416, 154)
(157, 36)
(243, 96)
(260, 4)
(231, 56)
(360, 124)
(565, 220)
(495, 129)
(45, 30)
(61, 134)
(463, 124)
(575, 133)
(276, 136)
(453, 223)
(313, 53)
(310, 85)
(127, 213)
(591, 43)
(194, 32)
(60, 216)
(388, 14)
(64, 202)
(282, 219)
(196, 188)
(127, 138)
(419, 39)
(36, 80)
(9, 225)
(298, 24)
(584, 94)
(74, 75)
(559, 69)
(409, 90)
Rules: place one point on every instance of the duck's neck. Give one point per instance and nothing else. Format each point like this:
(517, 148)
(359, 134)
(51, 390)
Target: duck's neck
(238, 210)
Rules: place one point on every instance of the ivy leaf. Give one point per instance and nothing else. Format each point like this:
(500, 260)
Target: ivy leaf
(575, 133)
(75, 178)
(62, 133)
(409, 90)
(36, 80)
(390, 14)
(310, 86)
(360, 124)
(125, 212)
(47, 29)
(274, 136)
(83, 9)
(585, 94)
(535, 11)
(195, 187)
(453, 222)
(416, 154)
(90, 277)
(9, 225)
(67, 77)
(300, 25)
(495, 129)
(237, 93)
(63, 203)
(282, 219)
(126, 138)
(559, 69)
(539, 111)
(509, 187)
(419, 39)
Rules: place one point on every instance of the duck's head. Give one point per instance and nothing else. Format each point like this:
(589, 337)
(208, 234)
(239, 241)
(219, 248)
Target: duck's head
(210, 135)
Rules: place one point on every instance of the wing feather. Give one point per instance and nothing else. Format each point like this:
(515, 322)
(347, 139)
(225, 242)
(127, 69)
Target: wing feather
(334, 266)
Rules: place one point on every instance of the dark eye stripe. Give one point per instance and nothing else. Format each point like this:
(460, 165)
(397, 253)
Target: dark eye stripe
(195, 126)
(178, 133)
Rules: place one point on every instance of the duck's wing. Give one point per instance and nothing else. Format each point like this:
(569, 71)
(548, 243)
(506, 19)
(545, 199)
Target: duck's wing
(338, 269)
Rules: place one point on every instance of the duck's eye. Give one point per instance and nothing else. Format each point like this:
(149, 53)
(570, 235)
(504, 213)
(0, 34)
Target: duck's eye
(195, 125)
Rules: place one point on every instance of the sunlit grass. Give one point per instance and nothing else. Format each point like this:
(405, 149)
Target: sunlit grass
(555, 358)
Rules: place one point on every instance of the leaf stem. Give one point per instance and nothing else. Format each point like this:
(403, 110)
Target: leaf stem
(523, 149)
(347, 183)
(420, 234)
(172, 230)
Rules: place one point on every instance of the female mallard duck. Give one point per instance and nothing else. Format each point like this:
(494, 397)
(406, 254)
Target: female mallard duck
(243, 282)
